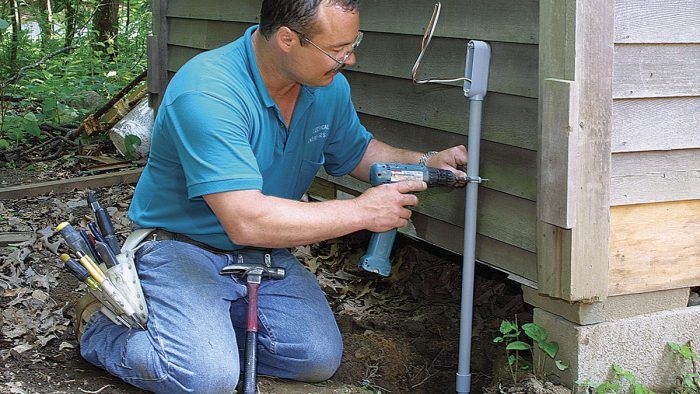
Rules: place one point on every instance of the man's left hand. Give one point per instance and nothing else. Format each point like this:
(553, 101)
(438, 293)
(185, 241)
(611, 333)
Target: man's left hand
(450, 159)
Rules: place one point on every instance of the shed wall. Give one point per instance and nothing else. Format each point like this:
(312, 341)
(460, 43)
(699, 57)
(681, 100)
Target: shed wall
(428, 117)
(655, 163)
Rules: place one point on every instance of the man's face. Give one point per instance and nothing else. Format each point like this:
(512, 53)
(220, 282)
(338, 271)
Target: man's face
(316, 62)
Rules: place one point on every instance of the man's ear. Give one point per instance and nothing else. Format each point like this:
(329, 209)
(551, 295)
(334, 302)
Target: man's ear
(285, 38)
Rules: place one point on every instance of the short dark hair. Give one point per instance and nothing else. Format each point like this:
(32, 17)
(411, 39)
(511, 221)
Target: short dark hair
(298, 15)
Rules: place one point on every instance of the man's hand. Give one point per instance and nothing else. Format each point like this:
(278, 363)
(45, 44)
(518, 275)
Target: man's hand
(450, 159)
(384, 206)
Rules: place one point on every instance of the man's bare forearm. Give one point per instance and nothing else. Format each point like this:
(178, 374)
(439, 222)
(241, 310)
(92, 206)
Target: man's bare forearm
(378, 151)
(253, 219)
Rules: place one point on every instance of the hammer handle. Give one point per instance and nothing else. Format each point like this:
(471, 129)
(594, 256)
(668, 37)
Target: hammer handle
(251, 342)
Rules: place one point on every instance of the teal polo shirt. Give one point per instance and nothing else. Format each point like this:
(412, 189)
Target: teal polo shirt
(219, 130)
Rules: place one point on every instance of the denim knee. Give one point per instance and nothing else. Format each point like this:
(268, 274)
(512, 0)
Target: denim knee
(320, 358)
(210, 374)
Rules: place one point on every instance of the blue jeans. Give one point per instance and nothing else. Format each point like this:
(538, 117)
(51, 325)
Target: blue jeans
(197, 319)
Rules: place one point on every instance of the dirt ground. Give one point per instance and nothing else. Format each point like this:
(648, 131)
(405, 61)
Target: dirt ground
(400, 333)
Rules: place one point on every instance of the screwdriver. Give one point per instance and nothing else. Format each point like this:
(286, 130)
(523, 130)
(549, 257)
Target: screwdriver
(79, 271)
(105, 223)
(73, 238)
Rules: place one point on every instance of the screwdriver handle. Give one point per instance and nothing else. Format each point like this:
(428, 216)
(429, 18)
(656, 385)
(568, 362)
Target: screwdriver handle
(74, 240)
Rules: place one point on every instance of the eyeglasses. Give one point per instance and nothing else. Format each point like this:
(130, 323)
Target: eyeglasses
(340, 62)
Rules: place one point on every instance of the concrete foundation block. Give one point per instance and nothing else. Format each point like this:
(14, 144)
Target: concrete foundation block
(638, 344)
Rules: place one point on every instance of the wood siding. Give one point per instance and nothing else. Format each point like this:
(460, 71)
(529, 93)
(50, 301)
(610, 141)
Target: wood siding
(655, 162)
(428, 117)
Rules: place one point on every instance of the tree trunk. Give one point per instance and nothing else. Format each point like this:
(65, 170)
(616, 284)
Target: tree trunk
(16, 27)
(71, 15)
(45, 21)
(128, 14)
(106, 26)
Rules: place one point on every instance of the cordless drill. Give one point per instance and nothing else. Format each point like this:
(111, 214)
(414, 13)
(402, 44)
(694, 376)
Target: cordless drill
(377, 257)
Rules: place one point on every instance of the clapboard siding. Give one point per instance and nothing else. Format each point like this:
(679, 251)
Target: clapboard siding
(659, 70)
(657, 21)
(177, 56)
(503, 217)
(507, 119)
(513, 66)
(656, 124)
(509, 169)
(204, 34)
(493, 20)
(656, 176)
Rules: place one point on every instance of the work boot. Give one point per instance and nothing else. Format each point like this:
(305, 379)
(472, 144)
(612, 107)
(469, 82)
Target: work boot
(86, 306)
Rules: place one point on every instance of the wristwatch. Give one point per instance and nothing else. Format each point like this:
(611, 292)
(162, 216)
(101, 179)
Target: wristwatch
(423, 159)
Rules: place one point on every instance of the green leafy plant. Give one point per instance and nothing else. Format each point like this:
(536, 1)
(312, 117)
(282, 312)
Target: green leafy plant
(131, 144)
(689, 381)
(616, 384)
(510, 336)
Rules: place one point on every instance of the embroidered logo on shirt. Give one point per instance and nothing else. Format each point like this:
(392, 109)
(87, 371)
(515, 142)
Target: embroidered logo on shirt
(319, 132)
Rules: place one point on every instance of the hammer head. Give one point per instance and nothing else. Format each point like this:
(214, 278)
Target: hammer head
(244, 270)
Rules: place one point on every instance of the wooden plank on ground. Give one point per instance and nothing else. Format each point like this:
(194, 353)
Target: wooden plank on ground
(657, 21)
(9, 238)
(656, 176)
(656, 124)
(491, 20)
(509, 169)
(654, 247)
(668, 70)
(513, 66)
(558, 152)
(65, 185)
(506, 119)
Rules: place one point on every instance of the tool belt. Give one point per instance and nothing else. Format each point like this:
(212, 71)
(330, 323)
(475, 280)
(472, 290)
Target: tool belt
(248, 254)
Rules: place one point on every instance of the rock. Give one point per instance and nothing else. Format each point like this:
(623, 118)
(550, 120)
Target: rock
(87, 99)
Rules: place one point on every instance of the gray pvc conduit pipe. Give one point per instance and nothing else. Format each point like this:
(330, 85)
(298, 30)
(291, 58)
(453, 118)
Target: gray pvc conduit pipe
(477, 72)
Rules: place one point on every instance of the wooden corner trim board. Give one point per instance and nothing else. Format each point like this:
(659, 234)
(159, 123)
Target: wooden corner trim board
(576, 67)
(557, 154)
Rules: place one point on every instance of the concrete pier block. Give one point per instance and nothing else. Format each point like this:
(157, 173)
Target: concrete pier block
(638, 344)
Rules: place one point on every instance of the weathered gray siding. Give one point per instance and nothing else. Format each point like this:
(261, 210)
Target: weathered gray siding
(656, 107)
(655, 163)
(428, 117)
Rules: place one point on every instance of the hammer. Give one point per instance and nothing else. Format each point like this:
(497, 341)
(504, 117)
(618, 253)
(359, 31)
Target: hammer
(253, 273)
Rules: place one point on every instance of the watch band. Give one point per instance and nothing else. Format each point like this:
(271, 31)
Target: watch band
(423, 159)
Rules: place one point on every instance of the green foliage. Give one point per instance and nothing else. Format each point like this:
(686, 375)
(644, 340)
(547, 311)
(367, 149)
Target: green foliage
(54, 92)
(688, 381)
(131, 144)
(510, 336)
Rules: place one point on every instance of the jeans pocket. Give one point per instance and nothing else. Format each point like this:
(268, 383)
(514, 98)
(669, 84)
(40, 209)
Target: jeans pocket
(153, 254)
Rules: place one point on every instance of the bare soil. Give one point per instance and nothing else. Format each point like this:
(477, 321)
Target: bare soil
(401, 333)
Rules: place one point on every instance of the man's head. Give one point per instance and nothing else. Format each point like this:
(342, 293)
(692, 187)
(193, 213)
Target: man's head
(315, 37)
